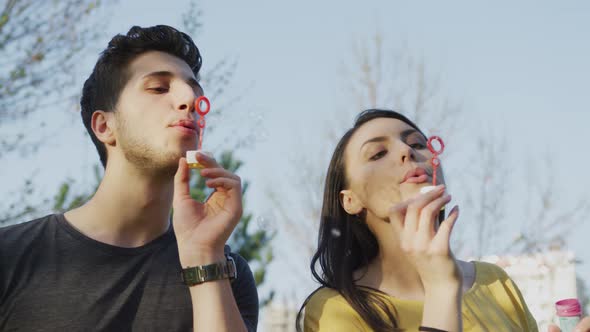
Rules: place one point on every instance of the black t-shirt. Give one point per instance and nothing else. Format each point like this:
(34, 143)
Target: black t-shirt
(54, 278)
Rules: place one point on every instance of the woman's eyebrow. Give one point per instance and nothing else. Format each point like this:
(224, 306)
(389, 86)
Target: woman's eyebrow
(406, 133)
(374, 140)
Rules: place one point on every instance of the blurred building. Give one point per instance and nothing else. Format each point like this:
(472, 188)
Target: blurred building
(543, 279)
(280, 317)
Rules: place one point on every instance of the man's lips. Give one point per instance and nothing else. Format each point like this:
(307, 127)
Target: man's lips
(186, 126)
(417, 175)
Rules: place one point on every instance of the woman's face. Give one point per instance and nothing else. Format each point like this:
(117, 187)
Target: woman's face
(386, 161)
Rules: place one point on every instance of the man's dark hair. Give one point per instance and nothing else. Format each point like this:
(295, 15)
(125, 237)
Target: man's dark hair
(102, 89)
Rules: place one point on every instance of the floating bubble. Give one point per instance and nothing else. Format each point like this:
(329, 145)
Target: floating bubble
(260, 221)
(335, 232)
(264, 223)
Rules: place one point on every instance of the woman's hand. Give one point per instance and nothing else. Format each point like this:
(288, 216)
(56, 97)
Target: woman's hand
(428, 248)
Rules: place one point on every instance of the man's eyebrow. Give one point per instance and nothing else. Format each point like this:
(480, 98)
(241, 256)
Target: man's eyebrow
(167, 74)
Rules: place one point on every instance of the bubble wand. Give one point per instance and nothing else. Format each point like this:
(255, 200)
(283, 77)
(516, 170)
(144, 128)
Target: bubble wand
(202, 107)
(435, 162)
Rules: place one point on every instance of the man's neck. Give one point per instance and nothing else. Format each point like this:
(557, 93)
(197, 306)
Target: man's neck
(130, 207)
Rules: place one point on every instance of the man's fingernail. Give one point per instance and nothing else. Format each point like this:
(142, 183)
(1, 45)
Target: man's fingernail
(205, 154)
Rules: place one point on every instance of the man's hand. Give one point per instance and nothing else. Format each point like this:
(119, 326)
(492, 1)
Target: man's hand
(202, 229)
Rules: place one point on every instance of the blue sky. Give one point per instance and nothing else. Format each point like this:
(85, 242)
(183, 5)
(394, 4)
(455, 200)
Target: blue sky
(519, 68)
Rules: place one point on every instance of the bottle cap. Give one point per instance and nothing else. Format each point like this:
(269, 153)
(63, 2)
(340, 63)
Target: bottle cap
(568, 308)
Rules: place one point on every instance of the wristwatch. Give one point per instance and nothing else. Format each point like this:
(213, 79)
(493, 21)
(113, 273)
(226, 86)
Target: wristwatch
(199, 274)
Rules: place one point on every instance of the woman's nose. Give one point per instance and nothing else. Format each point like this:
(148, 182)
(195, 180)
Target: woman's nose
(407, 154)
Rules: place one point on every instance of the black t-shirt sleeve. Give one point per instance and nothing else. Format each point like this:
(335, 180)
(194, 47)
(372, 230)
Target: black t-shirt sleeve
(245, 293)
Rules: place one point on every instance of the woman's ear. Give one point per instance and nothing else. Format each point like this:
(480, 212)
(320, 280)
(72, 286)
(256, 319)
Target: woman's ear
(103, 124)
(350, 202)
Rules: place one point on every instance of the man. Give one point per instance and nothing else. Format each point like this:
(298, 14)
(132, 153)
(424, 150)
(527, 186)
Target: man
(115, 264)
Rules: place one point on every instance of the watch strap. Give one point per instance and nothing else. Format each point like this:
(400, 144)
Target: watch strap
(220, 270)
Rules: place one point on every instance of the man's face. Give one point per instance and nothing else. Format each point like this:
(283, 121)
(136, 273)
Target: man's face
(155, 116)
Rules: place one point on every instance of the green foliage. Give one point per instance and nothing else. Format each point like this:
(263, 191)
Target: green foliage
(65, 200)
(41, 43)
(254, 245)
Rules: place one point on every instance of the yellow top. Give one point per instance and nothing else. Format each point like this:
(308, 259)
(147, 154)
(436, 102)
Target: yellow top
(494, 303)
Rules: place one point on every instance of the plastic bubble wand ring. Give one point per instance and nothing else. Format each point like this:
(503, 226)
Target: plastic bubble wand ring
(435, 162)
(191, 156)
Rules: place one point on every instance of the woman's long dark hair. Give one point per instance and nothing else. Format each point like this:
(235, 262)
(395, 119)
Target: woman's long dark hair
(345, 243)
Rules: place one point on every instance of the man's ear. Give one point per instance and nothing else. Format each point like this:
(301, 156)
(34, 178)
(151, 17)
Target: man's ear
(350, 202)
(103, 126)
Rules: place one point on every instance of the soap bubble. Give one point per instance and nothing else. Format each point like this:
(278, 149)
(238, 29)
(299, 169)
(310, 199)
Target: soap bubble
(264, 223)
(335, 232)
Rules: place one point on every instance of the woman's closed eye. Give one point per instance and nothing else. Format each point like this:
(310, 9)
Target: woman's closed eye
(158, 89)
(417, 146)
(378, 155)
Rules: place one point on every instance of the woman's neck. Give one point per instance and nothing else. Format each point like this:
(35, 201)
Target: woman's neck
(394, 275)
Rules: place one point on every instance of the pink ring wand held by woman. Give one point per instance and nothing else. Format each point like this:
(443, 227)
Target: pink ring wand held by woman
(383, 259)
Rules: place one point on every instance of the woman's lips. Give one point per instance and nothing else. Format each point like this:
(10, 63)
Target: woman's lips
(417, 179)
(416, 175)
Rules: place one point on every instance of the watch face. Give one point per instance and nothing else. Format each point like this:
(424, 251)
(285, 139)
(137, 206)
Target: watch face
(190, 276)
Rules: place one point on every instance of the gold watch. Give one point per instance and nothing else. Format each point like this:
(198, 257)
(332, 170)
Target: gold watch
(196, 275)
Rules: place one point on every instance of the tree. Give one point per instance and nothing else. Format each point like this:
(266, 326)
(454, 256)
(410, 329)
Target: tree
(479, 174)
(41, 43)
(254, 245)
(376, 77)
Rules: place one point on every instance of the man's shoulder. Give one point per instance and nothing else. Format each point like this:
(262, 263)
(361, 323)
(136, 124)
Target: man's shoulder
(240, 261)
(245, 277)
(19, 233)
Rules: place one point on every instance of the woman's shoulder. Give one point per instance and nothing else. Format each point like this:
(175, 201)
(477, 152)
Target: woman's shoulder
(328, 310)
(325, 296)
(486, 273)
(492, 280)
(495, 289)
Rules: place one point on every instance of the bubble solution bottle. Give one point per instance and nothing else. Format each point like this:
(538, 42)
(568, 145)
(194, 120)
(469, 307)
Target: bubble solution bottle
(569, 312)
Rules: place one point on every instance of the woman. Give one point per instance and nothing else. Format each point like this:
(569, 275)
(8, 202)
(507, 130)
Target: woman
(384, 261)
